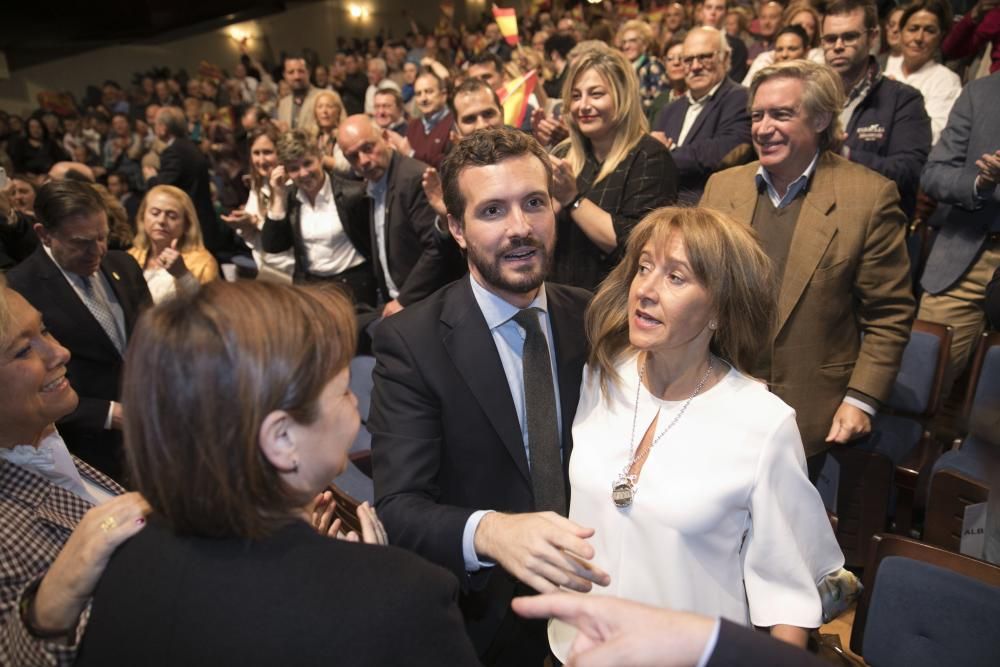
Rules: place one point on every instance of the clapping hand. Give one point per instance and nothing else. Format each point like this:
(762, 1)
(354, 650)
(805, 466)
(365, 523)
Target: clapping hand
(325, 522)
(431, 181)
(171, 260)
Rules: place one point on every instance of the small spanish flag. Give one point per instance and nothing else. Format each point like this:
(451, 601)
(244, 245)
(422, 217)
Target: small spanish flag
(628, 10)
(514, 98)
(507, 22)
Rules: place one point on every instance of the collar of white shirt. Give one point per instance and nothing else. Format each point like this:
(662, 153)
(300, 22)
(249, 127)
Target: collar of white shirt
(706, 97)
(324, 196)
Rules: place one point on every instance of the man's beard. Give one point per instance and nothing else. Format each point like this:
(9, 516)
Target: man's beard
(518, 282)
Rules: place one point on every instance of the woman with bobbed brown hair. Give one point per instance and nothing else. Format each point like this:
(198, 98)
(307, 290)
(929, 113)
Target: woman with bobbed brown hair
(691, 473)
(233, 427)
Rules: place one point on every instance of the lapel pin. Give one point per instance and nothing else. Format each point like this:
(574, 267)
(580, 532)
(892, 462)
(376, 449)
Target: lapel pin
(115, 275)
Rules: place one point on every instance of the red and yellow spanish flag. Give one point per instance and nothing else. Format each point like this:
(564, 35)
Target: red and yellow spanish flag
(514, 98)
(507, 22)
(628, 10)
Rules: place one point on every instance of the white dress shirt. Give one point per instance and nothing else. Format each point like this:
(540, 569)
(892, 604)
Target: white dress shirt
(328, 249)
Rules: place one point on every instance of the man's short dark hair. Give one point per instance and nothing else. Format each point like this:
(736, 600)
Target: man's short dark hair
(59, 200)
(561, 43)
(483, 148)
(488, 58)
(395, 94)
(469, 86)
(841, 7)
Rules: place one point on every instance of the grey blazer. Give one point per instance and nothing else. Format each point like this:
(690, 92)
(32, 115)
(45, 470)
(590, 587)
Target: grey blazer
(949, 176)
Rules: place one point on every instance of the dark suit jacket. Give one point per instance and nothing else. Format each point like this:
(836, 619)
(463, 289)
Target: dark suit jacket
(184, 166)
(446, 440)
(719, 137)
(294, 598)
(890, 132)
(973, 129)
(412, 244)
(739, 646)
(95, 367)
(349, 197)
(992, 306)
(847, 274)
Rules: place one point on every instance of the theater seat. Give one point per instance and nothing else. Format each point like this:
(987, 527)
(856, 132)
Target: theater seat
(924, 606)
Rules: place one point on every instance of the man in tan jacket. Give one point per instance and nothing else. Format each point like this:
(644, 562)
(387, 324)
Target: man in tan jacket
(835, 233)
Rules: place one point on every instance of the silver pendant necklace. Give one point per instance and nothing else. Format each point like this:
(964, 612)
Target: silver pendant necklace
(626, 485)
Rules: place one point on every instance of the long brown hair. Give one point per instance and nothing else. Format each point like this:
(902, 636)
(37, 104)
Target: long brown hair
(201, 373)
(725, 257)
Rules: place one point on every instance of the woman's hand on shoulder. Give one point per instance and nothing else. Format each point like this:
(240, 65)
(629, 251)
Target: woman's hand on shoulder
(75, 572)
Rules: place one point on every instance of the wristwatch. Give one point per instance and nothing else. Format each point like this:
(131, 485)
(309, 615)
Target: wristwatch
(575, 204)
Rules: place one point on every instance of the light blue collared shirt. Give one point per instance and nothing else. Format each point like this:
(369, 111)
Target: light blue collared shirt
(377, 191)
(430, 122)
(797, 186)
(508, 336)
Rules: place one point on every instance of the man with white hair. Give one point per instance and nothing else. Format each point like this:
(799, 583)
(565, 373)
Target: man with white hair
(707, 129)
(378, 72)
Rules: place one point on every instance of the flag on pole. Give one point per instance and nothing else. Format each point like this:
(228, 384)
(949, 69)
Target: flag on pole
(514, 98)
(507, 22)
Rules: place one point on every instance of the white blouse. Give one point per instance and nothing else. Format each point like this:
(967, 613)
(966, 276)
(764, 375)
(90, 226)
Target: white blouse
(725, 521)
(938, 84)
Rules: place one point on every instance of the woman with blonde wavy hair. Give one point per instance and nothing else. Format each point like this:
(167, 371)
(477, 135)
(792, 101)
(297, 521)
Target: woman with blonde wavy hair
(690, 471)
(168, 244)
(610, 172)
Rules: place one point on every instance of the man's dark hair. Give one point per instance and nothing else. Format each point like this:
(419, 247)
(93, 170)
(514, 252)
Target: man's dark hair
(481, 149)
(59, 200)
(113, 84)
(486, 58)
(121, 177)
(472, 85)
(841, 7)
(395, 94)
(560, 43)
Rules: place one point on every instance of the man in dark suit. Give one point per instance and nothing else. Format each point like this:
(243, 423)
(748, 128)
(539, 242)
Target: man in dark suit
(471, 419)
(707, 129)
(183, 165)
(964, 170)
(89, 297)
(405, 244)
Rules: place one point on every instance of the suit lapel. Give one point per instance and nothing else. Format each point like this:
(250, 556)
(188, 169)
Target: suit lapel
(705, 113)
(67, 298)
(470, 345)
(675, 121)
(813, 232)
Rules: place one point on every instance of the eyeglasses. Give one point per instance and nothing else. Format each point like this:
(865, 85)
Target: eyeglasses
(848, 38)
(703, 58)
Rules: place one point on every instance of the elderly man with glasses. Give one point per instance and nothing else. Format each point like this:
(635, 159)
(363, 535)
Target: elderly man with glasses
(709, 128)
(885, 125)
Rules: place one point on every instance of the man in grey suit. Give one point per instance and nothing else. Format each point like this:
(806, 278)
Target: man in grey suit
(963, 170)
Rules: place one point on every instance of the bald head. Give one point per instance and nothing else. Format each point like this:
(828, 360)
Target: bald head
(365, 146)
(60, 171)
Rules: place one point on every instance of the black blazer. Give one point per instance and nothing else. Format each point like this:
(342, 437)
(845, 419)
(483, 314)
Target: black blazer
(95, 367)
(446, 439)
(295, 598)
(719, 138)
(412, 243)
(352, 207)
(183, 165)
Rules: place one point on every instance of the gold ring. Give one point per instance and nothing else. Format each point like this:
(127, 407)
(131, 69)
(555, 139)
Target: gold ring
(108, 524)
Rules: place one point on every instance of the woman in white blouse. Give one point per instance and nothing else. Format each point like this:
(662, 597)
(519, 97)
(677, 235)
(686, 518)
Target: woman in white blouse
(923, 25)
(247, 221)
(691, 473)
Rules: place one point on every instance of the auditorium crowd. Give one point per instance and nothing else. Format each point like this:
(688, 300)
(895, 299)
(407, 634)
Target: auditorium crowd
(628, 284)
